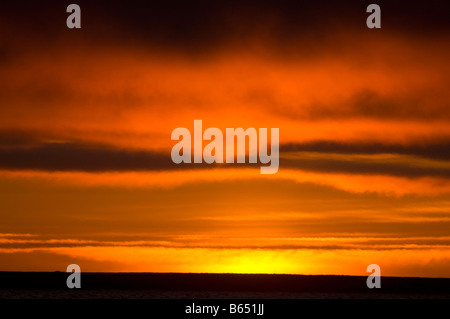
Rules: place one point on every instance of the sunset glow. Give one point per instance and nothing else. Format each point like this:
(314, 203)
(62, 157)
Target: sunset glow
(86, 118)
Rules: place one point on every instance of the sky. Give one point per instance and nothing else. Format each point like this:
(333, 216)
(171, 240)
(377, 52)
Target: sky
(86, 117)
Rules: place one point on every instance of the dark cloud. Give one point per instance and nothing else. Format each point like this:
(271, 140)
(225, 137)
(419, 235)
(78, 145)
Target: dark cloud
(91, 158)
(439, 150)
(355, 166)
(74, 157)
(196, 26)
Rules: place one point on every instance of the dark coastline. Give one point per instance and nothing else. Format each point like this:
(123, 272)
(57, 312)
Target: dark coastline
(52, 285)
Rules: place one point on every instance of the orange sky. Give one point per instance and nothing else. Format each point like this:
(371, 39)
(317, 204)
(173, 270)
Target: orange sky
(85, 169)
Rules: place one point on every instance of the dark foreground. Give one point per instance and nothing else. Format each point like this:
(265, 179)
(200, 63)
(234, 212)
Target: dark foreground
(52, 285)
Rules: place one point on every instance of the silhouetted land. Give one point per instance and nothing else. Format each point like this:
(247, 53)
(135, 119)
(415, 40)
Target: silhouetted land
(243, 286)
